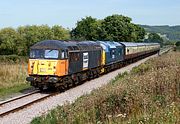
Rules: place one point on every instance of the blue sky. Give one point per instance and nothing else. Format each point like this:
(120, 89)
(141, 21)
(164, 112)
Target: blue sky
(14, 13)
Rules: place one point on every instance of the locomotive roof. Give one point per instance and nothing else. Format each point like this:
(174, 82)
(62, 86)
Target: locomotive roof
(52, 44)
(91, 45)
(103, 45)
(111, 44)
(71, 45)
(117, 43)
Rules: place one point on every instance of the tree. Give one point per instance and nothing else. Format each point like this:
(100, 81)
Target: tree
(30, 35)
(154, 38)
(86, 29)
(19, 41)
(120, 28)
(45, 32)
(33, 34)
(114, 28)
(8, 41)
(177, 43)
(139, 33)
(59, 33)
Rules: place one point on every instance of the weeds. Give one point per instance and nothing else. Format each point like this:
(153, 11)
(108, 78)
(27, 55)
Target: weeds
(12, 78)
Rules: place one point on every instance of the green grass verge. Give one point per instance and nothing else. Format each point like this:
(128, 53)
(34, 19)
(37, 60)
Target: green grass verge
(178, 48)
(4, 92)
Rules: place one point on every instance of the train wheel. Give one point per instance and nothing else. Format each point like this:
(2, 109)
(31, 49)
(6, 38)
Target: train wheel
(76, 81)
(61, 88)
(98, 73)
(65, 83)
(41, 88)
(79, 79)
(70, 82)
(90, 75)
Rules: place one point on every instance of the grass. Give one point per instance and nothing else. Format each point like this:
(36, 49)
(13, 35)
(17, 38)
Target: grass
(149, 94)
(12, 78)
(178, 48)
(4, 92)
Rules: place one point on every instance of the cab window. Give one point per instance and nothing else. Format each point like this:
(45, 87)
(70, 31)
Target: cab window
(51, 54)
(37, 54)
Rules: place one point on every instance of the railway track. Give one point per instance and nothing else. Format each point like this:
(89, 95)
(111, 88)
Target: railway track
(19, 97)
(18, 103)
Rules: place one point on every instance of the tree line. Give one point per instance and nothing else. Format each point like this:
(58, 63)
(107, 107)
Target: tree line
(18, 41)
(114, 28)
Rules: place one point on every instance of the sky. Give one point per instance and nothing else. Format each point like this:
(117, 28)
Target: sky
(14, 13)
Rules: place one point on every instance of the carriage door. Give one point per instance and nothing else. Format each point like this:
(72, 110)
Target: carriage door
(85, 60)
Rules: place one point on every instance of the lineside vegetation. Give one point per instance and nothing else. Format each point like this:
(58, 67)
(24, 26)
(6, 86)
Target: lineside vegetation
(148, 94)
(12, 77)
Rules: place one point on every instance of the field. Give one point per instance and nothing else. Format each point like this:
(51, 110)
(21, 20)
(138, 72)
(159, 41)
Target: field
(148, 94)
(12, 78)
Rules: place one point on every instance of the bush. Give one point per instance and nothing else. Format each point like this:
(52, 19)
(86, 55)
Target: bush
(13, 58)
(141, 69)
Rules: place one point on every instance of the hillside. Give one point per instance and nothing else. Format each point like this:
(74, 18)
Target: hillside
(172, 32)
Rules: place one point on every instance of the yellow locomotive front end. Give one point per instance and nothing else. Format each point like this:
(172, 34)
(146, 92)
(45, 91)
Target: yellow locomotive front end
(46, 67)
(42, 67)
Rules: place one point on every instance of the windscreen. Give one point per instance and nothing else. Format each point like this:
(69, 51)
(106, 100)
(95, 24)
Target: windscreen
(44, 54)
(51, 54)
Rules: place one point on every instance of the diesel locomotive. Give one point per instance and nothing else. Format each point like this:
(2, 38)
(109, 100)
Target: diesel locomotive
(62, 64)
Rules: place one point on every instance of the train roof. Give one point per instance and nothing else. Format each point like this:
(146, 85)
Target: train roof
(132, 44)
(52, 44)
(141, 44)
(71, 45)
(110, 44)
(83, 45)
(117, 43)
(149, 44)
(129, 44)
(103, 45)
